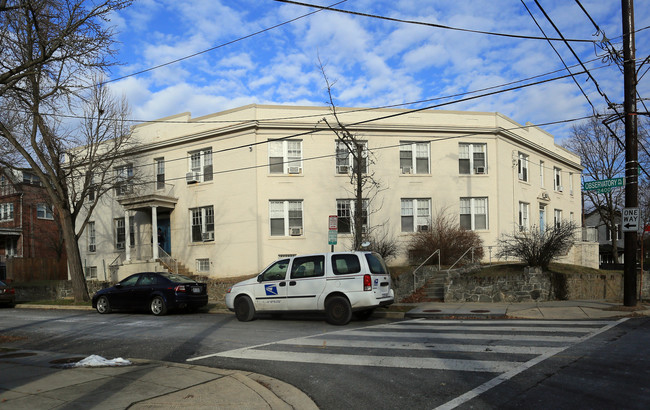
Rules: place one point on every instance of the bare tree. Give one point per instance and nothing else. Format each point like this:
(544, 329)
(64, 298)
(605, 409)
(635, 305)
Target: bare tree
(538, 248)
(603, 157)
(51, 50)
(362, 178)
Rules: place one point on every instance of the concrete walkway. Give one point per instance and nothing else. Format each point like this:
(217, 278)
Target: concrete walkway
(38, 380)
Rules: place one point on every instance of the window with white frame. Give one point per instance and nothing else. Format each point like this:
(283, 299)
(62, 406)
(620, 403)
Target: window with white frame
(91, 272)
(414, 157)
(557, 179)
(345, 209)
(200, 166)
(571, 183)
(345, 158)
(608, 232)
(541, 174)
(7, 212)
(557, 218)
(415, 214)
(159, 163)
(202, 223)
(285, 218)
(120, 233)
(203, 265)
(472, 159)
(522, 167)
(44, 211)
(124, 179)
(285, 157)
(524, 213)
(91, 186)
(92, 238)
(474, 213)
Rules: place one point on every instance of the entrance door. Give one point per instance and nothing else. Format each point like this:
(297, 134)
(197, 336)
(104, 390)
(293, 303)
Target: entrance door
(164, 234)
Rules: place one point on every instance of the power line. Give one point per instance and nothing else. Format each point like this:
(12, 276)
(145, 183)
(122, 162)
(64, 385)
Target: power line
(491, 33)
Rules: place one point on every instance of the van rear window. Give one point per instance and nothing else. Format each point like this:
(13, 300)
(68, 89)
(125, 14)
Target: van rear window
(376, 264)
(345, 264)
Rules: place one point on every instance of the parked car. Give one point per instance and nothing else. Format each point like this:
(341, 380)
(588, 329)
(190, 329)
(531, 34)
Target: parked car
(7, 295)
(158, 292)
(339, 284)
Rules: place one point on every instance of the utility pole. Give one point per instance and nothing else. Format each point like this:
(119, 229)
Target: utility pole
(631, 150)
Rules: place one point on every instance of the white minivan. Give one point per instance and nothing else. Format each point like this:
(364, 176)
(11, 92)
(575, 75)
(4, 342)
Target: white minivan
(337, 283)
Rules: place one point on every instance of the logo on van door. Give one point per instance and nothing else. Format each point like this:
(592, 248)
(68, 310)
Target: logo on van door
(271, 290)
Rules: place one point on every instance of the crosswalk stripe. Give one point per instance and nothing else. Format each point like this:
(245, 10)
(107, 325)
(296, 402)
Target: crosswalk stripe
(500, 328)
(371, 344)
(470, 336)
(377, 361)
(505, 322)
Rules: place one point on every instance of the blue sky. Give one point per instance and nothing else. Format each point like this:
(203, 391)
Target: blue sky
(373, 62)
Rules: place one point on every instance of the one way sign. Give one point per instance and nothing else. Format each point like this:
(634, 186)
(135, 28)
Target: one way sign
(630, 219)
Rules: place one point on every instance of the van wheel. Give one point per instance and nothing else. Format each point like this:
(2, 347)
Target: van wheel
(244, 309)
(338, 311)
(364, 314)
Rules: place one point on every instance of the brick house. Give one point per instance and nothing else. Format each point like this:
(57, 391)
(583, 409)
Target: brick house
(31, 246)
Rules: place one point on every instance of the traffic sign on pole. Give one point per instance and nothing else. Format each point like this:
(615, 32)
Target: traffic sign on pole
(630, 222)
(333, 230)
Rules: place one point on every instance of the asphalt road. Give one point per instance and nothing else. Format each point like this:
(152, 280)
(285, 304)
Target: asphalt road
(380, 363)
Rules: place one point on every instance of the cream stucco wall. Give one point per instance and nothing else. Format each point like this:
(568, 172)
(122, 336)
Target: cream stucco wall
(242, 185)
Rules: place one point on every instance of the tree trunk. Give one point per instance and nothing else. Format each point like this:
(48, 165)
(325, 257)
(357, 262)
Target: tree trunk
(79, 288)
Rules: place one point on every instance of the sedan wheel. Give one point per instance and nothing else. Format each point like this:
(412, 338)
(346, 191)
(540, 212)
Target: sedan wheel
(103, 306)
(244, 309)
(158, 306)
(338, 310)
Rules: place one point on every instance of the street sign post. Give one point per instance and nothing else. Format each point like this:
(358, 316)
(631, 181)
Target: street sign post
(604, 185)
(332, 234)
(630, 222)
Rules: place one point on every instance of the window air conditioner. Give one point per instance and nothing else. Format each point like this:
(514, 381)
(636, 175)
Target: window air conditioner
(192, 177)
(342, 169)
(294, 170)
(207, 236)
(479, 170)
(423, 228)
(295, 231)
(92, 248)
(560, 188)
(406, 170)
(120, 245)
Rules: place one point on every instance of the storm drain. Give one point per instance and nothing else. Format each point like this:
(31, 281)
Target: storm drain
(480, 311)
(17, 355)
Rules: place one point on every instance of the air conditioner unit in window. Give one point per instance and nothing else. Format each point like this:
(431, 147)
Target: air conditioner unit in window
(207, 236)
(342, 169)
(294, 170)
(92, 248)
(560, 188)
(120, 245)
(192, 177)
(479, 170)
(406, 170)
(295, 231)
(423, 228)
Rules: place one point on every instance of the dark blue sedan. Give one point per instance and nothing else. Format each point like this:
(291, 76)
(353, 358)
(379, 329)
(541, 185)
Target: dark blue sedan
(158, 292)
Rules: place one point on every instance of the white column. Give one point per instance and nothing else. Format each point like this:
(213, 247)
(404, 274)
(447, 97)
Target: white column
(154, 231)
(127, 236)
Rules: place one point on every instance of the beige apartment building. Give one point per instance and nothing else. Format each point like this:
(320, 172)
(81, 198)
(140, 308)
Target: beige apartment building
(226, 194)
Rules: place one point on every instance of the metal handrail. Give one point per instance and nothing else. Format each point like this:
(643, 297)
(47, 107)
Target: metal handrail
(167, 260)
(422, 264)
(461, 257)
(118, 261)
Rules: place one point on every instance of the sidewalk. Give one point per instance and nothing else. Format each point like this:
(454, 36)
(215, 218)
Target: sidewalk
(35, 379)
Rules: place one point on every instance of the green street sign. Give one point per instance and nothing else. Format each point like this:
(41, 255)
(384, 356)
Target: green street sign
(604, 185)
(331, 237)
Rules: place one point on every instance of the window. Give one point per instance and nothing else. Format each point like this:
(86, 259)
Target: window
(471, 159)
(120, 233)
(285, 218)
(202, 228)
(7, 212)
(524, 212)
(277, 271)
(31, 179)
(522, 167)
(414, 157)
(345, 213)
(44, 211)
(541, 174)
(542, 218)
(124, 179)
(203, 265)
(285, 157)
(91, 272)
(345, 162)
(344, 264)
(608, 232)
(415, 214)
(92, 246)
(308, 267)
(557, 218)
(571, 183)
(160, 173)
(474, 213)
(91, 186)
(200, 166)
(557, 179)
